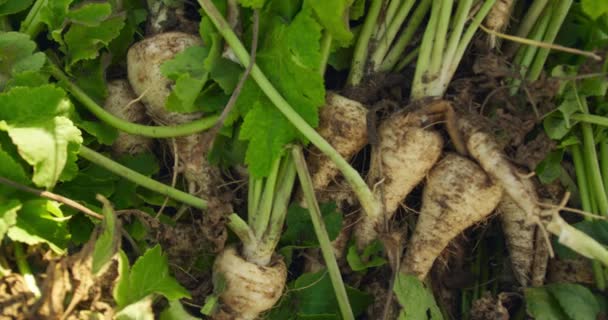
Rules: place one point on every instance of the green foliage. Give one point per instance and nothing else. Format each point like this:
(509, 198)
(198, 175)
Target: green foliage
(36, 119)
(13, 6)
(108, 242)
(417, 301)
(331, 17)
(17, 56)
(594, 8)
(176, 311)
(149, 275)
(8, 216)
(41, 221)
(139, 310)
(289, 56)
(371, 256)
(561, 301)
(311, 296)
(300, 230)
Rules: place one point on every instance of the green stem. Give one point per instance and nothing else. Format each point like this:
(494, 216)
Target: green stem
(581, 180)
(357, 66)
(466, 39)
(325, 51)
(525, 55)
(604, 164)
(32, 24)
(262, 215)
(241, 229)
(279, 207)
(24, 269)
(384, 43)
(424, 58)
(595, 175)
(528, 22)
(381, 26)
(317, 220)
(460, 19)
(126, 126)
(363, 192)
(404, 39)
(407, 59)
(441, 34)
(590, 118)
(559, 15)
(140, 179)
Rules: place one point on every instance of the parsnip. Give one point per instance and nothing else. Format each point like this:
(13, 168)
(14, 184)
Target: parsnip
(342, 122)
(250, 288)
(144, 60)
(457, 195)
(121, 103)
(498, 19)
(404, 155)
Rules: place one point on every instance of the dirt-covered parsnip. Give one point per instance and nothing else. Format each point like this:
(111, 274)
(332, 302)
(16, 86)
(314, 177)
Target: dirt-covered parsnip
(527, 247)
(254, 274)
(404, 155)
(122, 102)
(498, 19)
(144, 62)
(457, 195)
(342, 122)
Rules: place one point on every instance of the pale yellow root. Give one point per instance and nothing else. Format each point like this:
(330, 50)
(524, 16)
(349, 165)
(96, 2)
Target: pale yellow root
(250, 288)
(342, 122)
(483, 148)
(404, 155)
(122, 102)
(520, 235)
(498, 19)
(457, 195)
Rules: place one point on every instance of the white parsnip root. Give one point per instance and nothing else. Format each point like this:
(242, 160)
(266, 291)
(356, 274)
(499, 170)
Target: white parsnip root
(457, 195)
(144, 61)
(404, 155)
(342, 122)
(498, 19)
(121, 102)
(250, 288)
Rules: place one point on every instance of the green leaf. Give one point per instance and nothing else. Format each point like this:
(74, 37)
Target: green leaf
(35, 119)
(416, 300)
(370, 258)
(53, 14)
(120, 292)
(84, 42)
(550, 168)
(150, 274)
(594, 8)
(255, 4)
(577, 301)
(41, 221)
(357, 10)
(300, 229)
(224, 72)
(90, 14)
(126, 191)
(176, 311)
(13, 6)
(90, 76)
(189, 75)
(8, 216)
(89, 182)
(541, 305)
(12, 170)
(139, 310)
(108, 242)
(183, 96)
(136, 14)
(17, 56)
(331, 16)
(289, 55)
(315, 296)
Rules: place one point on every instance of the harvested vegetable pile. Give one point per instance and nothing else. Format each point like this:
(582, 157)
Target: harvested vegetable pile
(303, 159)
